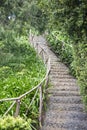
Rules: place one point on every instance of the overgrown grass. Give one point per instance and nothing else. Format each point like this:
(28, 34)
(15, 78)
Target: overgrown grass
(20, 70)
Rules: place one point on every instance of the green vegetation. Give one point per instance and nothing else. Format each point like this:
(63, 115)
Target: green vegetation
(11, 123)
(69, 20)
(20, 68)
(63, 49)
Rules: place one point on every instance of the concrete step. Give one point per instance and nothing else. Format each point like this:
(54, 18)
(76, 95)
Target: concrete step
(50, 128)
(68, 107)
(58, 73)
(69, 80)
(63, 88)
(54, 115)
(59, 70)
(61, 76)
(64, 99)
(65, 124)
(65, 110)
(63, 93)
(60, 83)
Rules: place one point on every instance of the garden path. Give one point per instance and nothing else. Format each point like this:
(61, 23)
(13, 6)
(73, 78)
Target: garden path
(65, 110)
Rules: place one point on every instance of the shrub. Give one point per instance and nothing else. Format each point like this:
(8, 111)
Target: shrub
(75, 56)
(80, 65)
(11, 123)
(20, 70)
(64, 50)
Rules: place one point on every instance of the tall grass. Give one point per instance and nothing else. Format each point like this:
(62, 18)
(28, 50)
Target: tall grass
(20, 70)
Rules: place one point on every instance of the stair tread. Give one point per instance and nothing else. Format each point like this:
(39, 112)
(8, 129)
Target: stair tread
(63, 114)
(64, 99)
(63, 93)
(65, 110)
(67, 124)
(68, 107)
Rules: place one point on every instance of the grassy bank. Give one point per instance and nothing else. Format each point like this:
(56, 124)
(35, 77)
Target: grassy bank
(20, 70)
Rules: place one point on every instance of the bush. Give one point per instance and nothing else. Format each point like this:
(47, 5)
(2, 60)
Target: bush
(80, 59)
(75, 56)
(11, 123)
(20, 70)
(64, 50)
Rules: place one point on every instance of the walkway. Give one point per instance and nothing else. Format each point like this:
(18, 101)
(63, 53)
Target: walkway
(65, 110)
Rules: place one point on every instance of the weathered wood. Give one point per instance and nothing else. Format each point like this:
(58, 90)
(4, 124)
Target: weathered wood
(8, 99)
(47, 81)
(17, 107)
(40, 107)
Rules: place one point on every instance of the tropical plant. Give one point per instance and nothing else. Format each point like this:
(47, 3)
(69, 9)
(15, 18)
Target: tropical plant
(11, 123)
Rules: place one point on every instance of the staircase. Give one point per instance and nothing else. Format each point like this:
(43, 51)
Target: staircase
(65, 110)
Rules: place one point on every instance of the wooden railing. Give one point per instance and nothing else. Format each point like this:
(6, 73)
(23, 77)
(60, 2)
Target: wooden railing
(18, 100)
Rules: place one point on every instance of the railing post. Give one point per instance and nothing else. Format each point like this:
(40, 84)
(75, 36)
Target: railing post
(42, 54)
(37, 48)
(40, 107)
(46, 82)
(17, 107)
(44, 59)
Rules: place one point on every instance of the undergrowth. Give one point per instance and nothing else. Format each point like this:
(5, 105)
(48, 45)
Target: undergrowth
(20, 70)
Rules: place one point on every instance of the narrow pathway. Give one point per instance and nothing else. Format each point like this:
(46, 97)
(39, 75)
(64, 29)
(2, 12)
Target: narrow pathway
(65, 110)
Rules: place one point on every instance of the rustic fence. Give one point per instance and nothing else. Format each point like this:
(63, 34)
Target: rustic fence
(18, 100)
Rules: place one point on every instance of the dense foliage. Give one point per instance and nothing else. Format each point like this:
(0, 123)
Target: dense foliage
(66, 24)
(22, 15)
(20, 70)
(70, 19)
(20, 67)
(11, 123)
(63, 49)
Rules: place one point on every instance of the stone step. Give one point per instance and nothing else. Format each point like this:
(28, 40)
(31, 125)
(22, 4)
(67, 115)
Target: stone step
(65, 124)
(64, 80)
(54, 59)
(59, 69)
(63, 88)
(50, 128)
(63, 93)
(54, 115)
(61, 76)
(64, 99)
(57, 83)
(64, 107)
(58, 73)
(57, 63)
